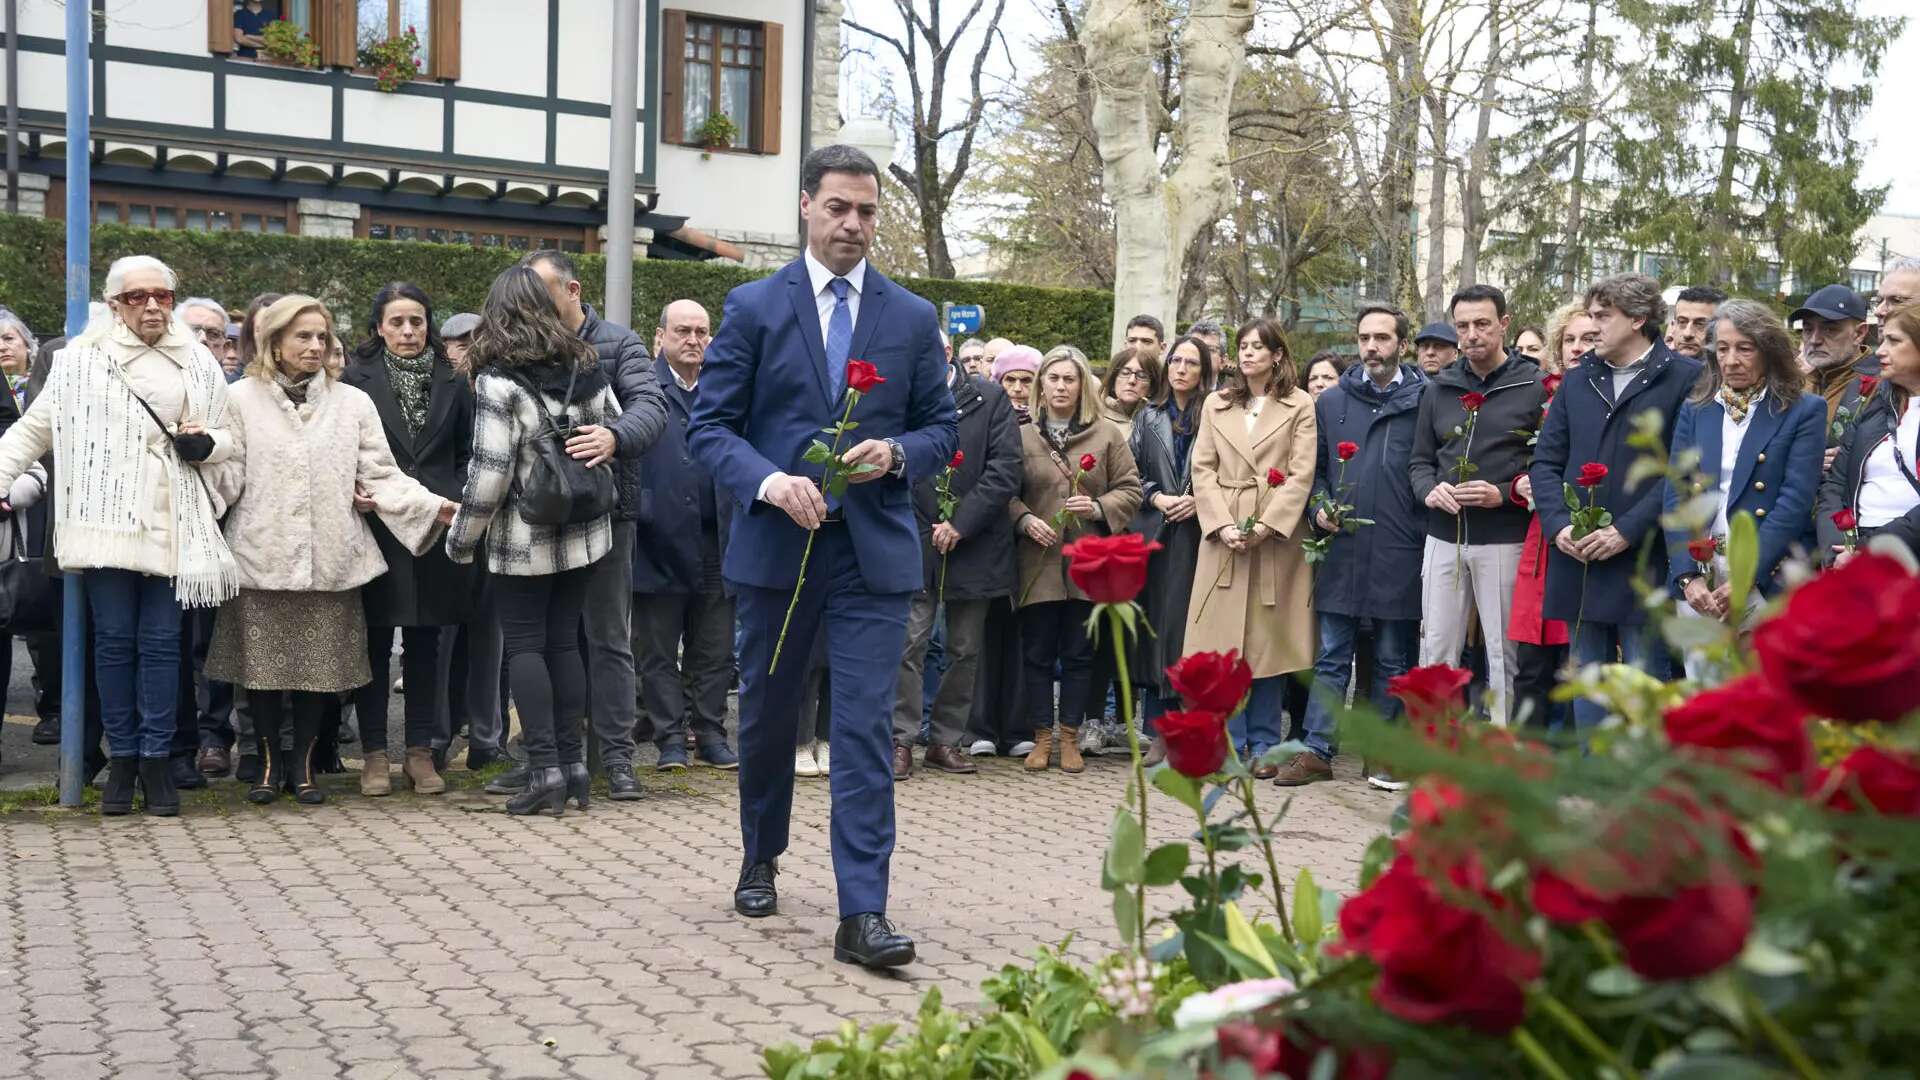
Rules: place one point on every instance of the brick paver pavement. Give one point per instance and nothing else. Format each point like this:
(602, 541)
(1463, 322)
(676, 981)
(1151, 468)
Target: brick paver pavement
(381, 939)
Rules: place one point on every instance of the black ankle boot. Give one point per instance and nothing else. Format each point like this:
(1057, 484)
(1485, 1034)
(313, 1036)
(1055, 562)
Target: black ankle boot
(579, 782)
(307, 720)
(116, 798)
(156, 781)
(273, 773)
(545, 793)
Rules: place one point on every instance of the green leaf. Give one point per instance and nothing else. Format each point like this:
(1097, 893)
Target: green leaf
(1379, 853)
(1306, 908)
(1573, 497)
(1243, 940)
(1246, 966)
(837, 485)
(1614, 982)
(1743, 564)
(1184, 789)
(862, 469)
(1126, 913)
(1126, 850)
(1764, 958)
(1605, 519)
(818, 453)
(1166, 863)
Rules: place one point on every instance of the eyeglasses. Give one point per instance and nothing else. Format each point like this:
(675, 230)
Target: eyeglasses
(1130, 375)
(139, 298)
(212, 333)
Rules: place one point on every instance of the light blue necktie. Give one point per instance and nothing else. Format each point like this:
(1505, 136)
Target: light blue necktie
(839, 339)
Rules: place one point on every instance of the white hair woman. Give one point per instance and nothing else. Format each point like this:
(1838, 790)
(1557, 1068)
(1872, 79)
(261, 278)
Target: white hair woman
(297, 633)
(132, 408)
(17, 346)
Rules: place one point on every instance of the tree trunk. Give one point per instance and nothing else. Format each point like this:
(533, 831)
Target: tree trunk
(1473, 199)
(1156, 215)
(1436, 208)
(1573, 256)
(1724, 228)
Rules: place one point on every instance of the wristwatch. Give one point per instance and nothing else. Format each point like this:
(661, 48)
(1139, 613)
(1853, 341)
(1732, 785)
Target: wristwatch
(898, 466)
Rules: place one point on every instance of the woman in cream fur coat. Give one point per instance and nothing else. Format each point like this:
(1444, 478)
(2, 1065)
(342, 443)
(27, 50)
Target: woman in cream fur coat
(310, 459)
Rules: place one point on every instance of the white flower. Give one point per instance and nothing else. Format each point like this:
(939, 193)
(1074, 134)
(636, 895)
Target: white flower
(1230, 1000)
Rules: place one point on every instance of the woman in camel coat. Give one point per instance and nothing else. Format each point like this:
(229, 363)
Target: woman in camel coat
(1253, 591)
(1067, 427)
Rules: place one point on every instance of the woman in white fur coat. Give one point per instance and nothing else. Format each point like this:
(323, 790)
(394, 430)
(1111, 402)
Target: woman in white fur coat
(309, 459)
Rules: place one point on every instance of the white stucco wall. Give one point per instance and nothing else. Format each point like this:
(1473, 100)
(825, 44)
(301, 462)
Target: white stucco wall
(275, 107)
(503, 45)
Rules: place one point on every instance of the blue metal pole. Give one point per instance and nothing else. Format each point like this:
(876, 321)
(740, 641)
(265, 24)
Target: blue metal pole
(73, 624)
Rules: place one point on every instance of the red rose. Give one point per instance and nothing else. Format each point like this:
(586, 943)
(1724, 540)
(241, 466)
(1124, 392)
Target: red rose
(1431, 693)
(958, 458)
(1346, 450)
(1440, 963)
(862, 376)
(1109, 569)
(1845, 520)
(1551, 384)
(1848, 643)
(1591, 474)
(1868, 384)
(1678, 907)
(1703, 549)
(1196, 741)
(1275, 478)
(1211, 681)
(1292, 1050)
(1263, 1049)
(1472, 400)
(1087, 462)
(1886, 780)
(1749, 725)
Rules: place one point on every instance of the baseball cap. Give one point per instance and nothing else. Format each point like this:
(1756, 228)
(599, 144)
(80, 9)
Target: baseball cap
(461, 325)
(1437, 331)
(1833, 302)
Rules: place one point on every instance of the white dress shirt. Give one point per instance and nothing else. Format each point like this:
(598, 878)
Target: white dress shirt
(1885, 494)
(1731, 432)
(823, 301)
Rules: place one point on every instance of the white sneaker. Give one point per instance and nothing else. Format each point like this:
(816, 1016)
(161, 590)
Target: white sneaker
(821, 755)
(981, 748)
(1021, 748)
(1093, 739)
(1385, 780)
(804, 763)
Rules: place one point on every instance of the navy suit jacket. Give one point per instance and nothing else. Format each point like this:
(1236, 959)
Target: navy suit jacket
(1775, 476)
(765, 395)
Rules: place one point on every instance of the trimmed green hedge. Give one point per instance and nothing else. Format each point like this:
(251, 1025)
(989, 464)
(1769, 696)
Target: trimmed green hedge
(232, 267)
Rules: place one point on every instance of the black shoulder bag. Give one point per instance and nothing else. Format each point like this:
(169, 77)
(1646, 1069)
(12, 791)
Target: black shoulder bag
(559, 490)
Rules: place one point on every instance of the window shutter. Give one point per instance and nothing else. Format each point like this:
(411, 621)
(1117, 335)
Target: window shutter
(335, 31)
(446, 39)
(220, 26)
(673, 76)
(770, 39)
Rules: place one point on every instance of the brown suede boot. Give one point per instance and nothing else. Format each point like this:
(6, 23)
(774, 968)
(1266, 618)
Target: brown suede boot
(1042, 750)
(373, 774)
(421, 773)
(1070, 759)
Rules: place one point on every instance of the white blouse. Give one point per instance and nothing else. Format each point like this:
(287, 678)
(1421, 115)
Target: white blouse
(1885, 494)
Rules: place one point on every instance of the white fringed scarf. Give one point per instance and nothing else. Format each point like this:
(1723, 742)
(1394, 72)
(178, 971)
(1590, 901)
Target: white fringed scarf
(100, 436)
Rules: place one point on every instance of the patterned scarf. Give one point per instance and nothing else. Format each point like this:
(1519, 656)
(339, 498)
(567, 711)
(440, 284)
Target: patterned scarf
(410, 379)
(1739, 401)
(295, 389)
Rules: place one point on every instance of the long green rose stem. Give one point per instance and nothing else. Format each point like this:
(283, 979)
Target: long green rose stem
(1245, 790)
(1780, 1037)
(1120, 668)
(833, 455)
(1571, 1023)
(1534, 1052)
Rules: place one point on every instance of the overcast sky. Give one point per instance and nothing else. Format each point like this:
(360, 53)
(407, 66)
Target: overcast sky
(1893, 158)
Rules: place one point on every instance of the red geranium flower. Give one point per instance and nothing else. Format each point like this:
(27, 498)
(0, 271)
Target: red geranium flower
(1275, 478)
(1346, 450)
(1886, 780)
(1591, 474)
(1440, 962)
(1472, 400)
(1845, 520)
(1109, 569)
(1211, 681)
(1196, 741)
(862, 376)
(1749, 724)
(1703, 549)
(1848, 644)
(1432, 693)
(958, 457)
(1087, 462)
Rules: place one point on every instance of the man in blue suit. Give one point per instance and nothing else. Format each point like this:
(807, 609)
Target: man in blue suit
(775, 376)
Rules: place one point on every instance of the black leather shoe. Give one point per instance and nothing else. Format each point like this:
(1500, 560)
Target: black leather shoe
(479, 757)
(116, 796)
(162, 799)
(46, 732)
(186, 776)
(869, 940)
(579, 783)
(545, 793)
(511, 782)
(755, 896)
(621, 784)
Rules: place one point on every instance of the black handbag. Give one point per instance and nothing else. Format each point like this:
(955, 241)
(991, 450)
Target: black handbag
(26, 594)
(560, 490)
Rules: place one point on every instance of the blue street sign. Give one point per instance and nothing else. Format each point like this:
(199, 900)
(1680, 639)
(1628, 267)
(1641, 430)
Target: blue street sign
(965, 318)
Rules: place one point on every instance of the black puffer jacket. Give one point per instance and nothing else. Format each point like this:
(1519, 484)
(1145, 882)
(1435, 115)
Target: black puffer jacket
(643, 407)
(981, 566)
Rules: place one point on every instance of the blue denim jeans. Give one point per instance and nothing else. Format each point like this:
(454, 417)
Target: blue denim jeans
(1257, 727)
(1606, 643)
(1394, 644)
(136, 660)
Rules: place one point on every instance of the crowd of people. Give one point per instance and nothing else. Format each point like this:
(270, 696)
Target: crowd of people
(512, 497)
